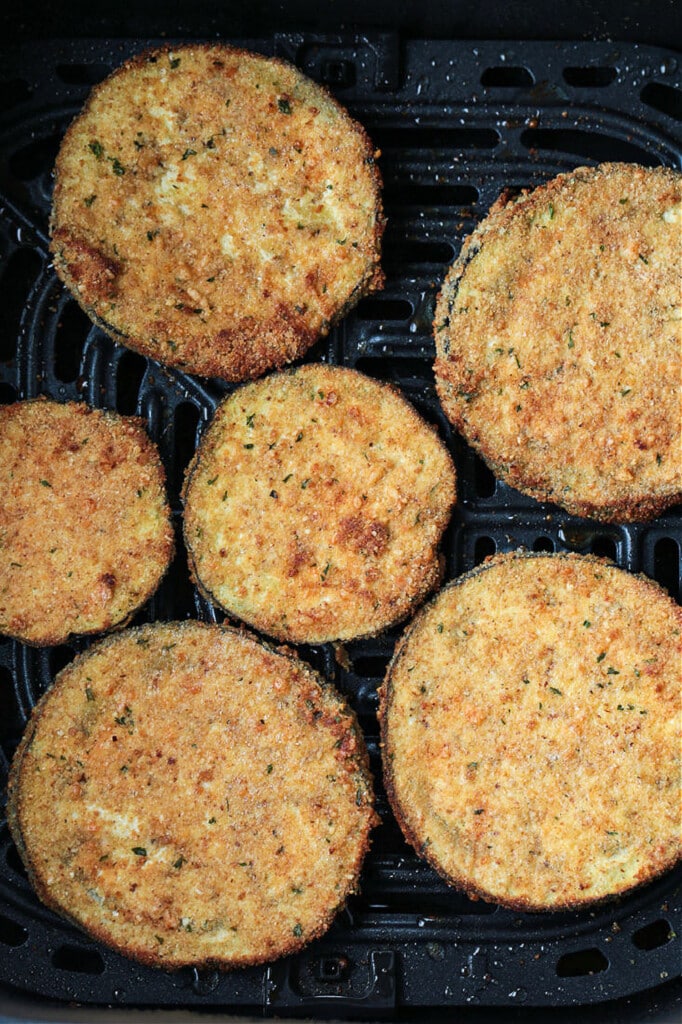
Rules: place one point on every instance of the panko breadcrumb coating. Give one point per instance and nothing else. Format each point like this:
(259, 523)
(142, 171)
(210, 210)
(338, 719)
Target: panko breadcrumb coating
(85, 528)
(190, 796)
(559, 341)
(531, 731)
(315, 505)
(216, 210)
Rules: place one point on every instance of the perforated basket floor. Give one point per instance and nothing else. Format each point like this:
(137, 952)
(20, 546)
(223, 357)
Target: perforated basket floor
(456, 122)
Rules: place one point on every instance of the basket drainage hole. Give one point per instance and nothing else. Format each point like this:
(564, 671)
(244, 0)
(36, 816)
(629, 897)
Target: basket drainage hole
(8, 394)
(484, 547)
(384, 309)
(15, 91)
(11, 722)
(129, 375)
(667, 564)
(339, 73)
(370, 665)
(664, 98)
(596, 76)
(11, 933)
(581, 962)
(59, 657)
(18, 273)
(653, 935)
(332, 968)
(186, 422)
(72, 331)
(82, 961)
(604, 547)
(484, 479)
(507, 77)
(82, 74)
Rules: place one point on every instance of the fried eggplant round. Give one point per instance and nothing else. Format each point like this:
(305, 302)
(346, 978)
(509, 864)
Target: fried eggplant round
(85, 528)
(216, 210)
(559, 338)
(530, 726)
(315, 504)
(189, 795)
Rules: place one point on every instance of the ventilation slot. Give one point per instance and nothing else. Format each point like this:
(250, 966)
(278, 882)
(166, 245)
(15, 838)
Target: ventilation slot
(399, 371)
(663, 98)
(72, 330)
(484, 479)
(175, 599)
(484, 547)
(13, 93)
(543, 544)
(582, 962)
(384, 309)
(653, 936)
(590, 78)
(82, 961)
(437, 138)
(60, 657)
(423, 897)
(8, 394)
(129, 373)
(372, 666)
(667, 565)
(82, 74)
(11, 722)
(36, 158)
(425, 195)
(507, 78)
(332, 968)
(20, 270)
(339, 74)
(186, 423)
(588, 145)
(604, 547)
(11, 933)
(419, 252)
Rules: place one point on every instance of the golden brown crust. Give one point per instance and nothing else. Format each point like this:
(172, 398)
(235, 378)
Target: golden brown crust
(85, 529)
(530, 725)
(188, 795)
(315, 505)
(559, 334)
(216, 210)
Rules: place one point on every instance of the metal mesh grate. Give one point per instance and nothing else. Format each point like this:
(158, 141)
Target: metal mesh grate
(456, 122)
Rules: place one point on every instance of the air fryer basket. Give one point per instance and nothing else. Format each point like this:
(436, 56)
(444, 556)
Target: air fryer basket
(456, 123)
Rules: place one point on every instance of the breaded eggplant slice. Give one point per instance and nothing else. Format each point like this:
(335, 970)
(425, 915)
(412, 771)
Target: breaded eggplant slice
(216, 210)
(85, 527)
(315, 504)
(559, 337)
(530, 724)
(189, 795)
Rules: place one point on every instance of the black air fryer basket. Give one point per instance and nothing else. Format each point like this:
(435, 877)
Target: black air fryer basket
(456, 122)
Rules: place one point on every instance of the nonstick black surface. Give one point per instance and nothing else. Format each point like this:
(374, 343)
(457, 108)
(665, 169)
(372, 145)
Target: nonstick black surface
(456, 122)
